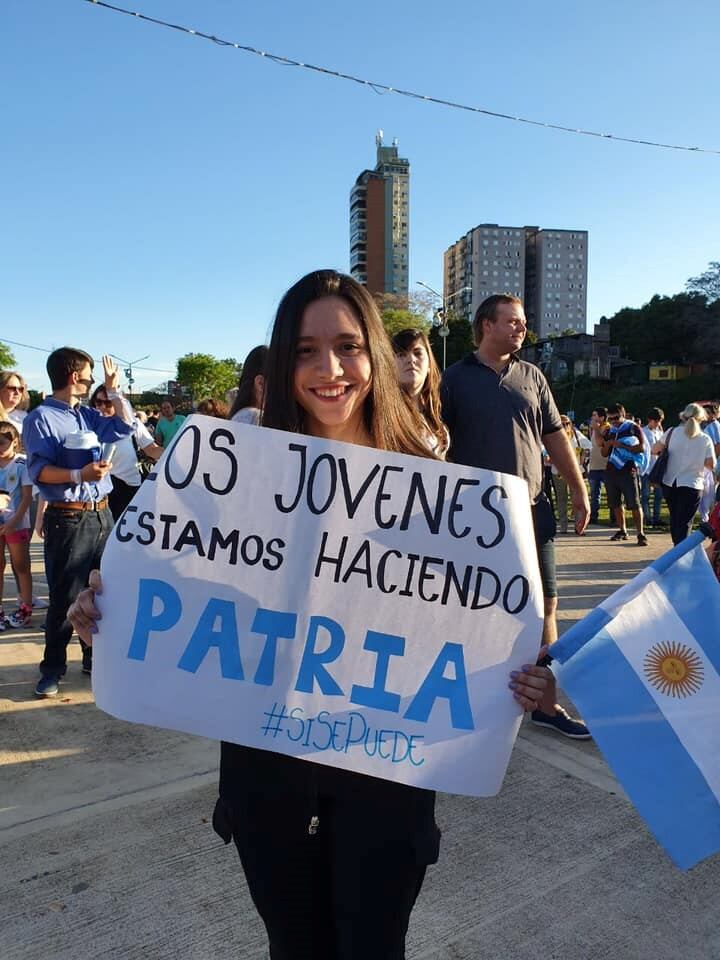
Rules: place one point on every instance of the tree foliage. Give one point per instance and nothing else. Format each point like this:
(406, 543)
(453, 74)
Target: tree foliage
(707, 284)
(684, 328)
(420, 303)
(394, 320)
(459, 340)
(7, 357)
(206, 376)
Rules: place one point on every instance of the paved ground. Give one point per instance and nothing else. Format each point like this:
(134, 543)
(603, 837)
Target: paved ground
(106, 849)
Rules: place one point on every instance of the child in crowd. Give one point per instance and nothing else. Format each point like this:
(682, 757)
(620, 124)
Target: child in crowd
(15, 498)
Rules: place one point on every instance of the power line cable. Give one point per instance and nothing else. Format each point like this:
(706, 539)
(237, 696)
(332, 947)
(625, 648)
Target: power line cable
(29, 346)
(382, 88)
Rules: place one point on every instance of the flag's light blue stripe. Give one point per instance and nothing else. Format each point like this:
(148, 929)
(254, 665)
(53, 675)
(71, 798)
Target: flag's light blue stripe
(642, 749)
(582, 632)
(694, 594)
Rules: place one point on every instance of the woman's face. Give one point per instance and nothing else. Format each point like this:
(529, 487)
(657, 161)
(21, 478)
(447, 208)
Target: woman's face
(11, 394)
(413, 367)
(333, 373)
(103, 405)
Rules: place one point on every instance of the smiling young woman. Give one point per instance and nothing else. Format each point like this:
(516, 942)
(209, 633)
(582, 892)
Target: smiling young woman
(334, 859)
(328, 331)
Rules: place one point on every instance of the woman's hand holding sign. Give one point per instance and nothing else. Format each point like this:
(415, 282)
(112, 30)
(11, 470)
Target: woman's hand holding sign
(528, 685)
(83, 614)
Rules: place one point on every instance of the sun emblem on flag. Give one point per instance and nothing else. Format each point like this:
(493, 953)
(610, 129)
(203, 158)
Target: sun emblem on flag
(674, 669)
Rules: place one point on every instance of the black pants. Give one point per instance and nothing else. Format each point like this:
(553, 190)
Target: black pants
(120, 496)
(74, 541)
(346, 891)
(683, 503)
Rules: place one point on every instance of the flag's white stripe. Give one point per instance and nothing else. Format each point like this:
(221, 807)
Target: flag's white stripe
(648, 620)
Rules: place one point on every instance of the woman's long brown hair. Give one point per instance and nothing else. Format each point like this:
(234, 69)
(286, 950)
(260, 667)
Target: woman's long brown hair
(389, 420)
(429, 398)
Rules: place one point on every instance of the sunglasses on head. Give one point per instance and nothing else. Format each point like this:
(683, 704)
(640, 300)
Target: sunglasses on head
(103, 403)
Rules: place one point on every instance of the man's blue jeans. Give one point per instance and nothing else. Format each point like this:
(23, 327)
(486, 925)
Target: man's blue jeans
(657, 495)
(596, 478)
(74, 541)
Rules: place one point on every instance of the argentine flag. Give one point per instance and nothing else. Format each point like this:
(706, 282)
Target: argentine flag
(644, 669)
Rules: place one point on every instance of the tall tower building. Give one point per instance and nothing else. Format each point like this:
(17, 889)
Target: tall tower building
(547, 269)
(379, 222)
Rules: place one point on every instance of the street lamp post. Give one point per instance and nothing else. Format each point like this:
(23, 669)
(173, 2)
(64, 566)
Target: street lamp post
(441, 312)
(129, 369)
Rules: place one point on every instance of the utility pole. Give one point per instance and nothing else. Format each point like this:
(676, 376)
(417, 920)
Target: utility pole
(128, 371)
(440, 317)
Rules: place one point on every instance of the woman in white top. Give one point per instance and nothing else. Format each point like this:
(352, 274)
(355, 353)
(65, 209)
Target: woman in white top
(247, 405)
(420, 379)
(690, 453)
(125, 470)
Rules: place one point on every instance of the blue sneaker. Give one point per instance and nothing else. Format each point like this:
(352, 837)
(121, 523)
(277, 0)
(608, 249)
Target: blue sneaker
(47, 687)
(562, 723)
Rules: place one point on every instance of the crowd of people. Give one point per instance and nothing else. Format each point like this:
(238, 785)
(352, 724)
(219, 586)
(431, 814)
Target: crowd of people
(618, 452)
(330, 371)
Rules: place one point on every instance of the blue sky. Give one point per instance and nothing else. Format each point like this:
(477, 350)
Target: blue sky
(160, 192)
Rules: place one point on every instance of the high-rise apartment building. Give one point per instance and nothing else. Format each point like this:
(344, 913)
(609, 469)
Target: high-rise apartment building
(379, 222)
(488, 259)
(547, 269)
(556, 280)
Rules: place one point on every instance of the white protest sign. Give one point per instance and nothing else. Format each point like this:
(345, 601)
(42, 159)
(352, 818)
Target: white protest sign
(349, 606)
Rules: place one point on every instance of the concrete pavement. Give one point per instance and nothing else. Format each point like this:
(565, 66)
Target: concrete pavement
(106, 849)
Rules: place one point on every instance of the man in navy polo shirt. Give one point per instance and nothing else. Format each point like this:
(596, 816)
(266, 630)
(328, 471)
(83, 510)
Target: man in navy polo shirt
(500, 414)
(63, 443)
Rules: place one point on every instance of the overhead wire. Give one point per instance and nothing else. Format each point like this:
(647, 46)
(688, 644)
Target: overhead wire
(381, 88)
(29, 346)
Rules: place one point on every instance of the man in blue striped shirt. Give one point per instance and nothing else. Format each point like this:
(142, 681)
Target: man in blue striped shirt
(63, 444)
(623, 443)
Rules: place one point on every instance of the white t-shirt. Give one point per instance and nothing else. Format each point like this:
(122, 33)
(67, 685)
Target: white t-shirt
(124, 463)
(247, 415)
(651, 437)
(686, 458)
(16, 418)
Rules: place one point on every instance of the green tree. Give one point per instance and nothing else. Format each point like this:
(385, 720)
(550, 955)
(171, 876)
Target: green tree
(530, 338)
(418, 302)
(707, 284)
(459, 340)
(684, 328)
(7, 357)
(396, 319)
(206, 376)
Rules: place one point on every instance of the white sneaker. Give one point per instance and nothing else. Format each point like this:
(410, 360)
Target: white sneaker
(39, 604)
